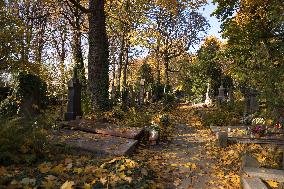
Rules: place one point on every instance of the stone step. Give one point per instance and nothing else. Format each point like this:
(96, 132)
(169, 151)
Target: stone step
(252, 183)
(96, 143)
(265, 174)
(105, 129)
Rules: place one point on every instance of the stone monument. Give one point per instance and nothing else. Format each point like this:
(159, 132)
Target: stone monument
(74, 99)
(207, 97)
(254, 106)
(221, 94)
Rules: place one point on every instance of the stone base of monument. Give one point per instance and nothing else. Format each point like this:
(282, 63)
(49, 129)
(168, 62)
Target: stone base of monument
(95, 143)
(252, 183)
(265, 174)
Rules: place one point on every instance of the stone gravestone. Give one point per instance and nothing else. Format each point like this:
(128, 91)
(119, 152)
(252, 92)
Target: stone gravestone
(221, 94)
(254, 106)
(251, 101)
(222, 139)
(74, 99)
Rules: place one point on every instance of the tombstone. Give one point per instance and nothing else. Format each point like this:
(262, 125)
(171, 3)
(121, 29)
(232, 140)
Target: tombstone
(207, 98)
(74, 99)
(249, 161)
(141, 94)
(254, 106)
(221, 94)
(251, 102)
(222, 139)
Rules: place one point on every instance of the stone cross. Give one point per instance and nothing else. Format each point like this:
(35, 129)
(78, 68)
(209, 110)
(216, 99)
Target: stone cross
(74, 99)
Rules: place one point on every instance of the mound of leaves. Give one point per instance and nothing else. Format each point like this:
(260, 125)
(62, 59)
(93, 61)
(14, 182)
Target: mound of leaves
(77, 172)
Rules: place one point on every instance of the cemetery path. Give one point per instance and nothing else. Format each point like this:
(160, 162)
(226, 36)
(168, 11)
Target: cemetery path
(186, 161)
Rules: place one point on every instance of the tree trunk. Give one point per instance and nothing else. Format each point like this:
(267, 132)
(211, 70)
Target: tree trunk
(125, 90)
(166, 62)
(125, 68)
(98, 63)
(120, 59)
(77, 49)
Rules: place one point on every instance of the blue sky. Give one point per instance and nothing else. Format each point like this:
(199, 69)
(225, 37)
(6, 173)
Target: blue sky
(213, 21)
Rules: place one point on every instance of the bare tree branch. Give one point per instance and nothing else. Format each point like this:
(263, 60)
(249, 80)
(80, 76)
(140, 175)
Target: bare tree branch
(79, 6)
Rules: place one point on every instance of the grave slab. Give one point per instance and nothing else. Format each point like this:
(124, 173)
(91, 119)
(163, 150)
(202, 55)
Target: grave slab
(265, 174)
(255, 140)
(96, 143)
(252, 183)
(105, 129)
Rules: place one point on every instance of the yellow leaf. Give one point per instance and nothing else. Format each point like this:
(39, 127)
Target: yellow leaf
(78, 170)
(129, 179)
(122, 168)
(87, 186)
(58, 169)
(49, 184)
(44, 167)
(67, 185)
(272, 183)
(103, 180)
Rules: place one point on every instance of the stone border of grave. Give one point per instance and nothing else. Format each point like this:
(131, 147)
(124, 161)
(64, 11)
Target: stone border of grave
(252, 175)
(223, 138)
(96, 137)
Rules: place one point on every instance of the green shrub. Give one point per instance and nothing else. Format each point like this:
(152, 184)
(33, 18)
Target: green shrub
(21, 141)
(32, 85)
(8, 107)
(168, 101)
(137, 118)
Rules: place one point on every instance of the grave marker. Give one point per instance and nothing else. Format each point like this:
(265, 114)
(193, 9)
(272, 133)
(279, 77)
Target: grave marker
(74, 99)
(221, 94)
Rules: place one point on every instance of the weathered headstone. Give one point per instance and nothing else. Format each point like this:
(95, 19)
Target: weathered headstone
(254, 106)
(251, 101)
(222, 139)
(221, 94)
(249, 161)
(153, 137)
(74, 99)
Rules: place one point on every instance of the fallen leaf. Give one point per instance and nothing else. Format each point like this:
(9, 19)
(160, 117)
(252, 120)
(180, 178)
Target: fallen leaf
(103, 180)
(67, 185)
(44, 167)
(272, 183)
